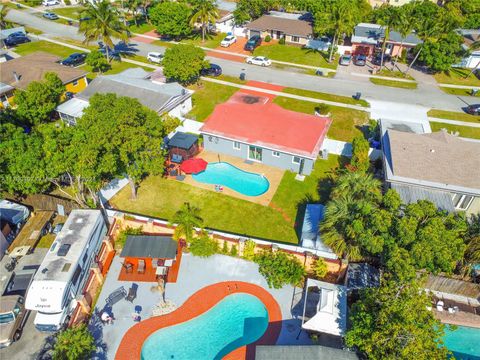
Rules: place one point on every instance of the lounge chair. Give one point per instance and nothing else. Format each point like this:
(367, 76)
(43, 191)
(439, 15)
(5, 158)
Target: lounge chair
(116, 296)
(141, 267)
(128, 267)
(132, 293)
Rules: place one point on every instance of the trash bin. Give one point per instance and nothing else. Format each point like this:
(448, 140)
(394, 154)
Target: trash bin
(319, 73)
(474, 92)
(357, 96)
(243, 76)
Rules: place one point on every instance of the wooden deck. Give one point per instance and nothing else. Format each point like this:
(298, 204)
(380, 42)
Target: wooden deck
(31, 232)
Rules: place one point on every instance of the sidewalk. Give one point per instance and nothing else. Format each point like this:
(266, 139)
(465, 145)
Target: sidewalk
(455, 122)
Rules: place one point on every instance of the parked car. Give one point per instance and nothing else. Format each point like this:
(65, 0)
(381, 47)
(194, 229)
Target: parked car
(213, 70)
(253, 43)
(56, 229)
(473, 109)
(259, 60)
(16, 38)
(377, 59)
(12, 319)
(50, 16)
(74, 59)
(360, 60)
(345, 59)
(155, 57)
(50, 2)
(229, 40)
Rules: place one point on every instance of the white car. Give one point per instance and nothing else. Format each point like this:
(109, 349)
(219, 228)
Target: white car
(259, 60)
(50, 2)
(155, 57)
(229, 40)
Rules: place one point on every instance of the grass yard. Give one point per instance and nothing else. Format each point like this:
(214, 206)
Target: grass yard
(464, 131)
(460, 92)
(394, 74)
(326, 96)
(232, 79)
(294, 55)
(161, 197)
(165, 44)
(211, 41)
(141, 28)
(453, 115)
(457, 76)
(45, 46)
(206, 96)
(116, 67)
(393, 83)
(31, 30)
(70, 12)
(346, 125)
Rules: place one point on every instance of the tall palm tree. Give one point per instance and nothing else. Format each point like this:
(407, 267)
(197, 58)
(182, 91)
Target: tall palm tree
(4, 24)
(132, 6)
(358, 186)
(471, 256)
(387, 17)
(187, 218)
(103, 24)
(404, 25)
(204, 11)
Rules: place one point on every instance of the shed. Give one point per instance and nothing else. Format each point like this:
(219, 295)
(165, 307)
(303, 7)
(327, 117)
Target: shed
(310, 238)
(361, 275)
(183, 145)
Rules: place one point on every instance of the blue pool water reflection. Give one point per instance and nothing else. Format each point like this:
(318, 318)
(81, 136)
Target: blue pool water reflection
(464, 342)
(222, 173)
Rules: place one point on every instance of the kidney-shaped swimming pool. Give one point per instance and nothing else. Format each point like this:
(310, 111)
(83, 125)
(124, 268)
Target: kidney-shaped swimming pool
(237, 320)
(222, 173)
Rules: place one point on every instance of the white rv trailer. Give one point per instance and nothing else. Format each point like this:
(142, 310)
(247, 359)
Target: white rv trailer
(65, 268)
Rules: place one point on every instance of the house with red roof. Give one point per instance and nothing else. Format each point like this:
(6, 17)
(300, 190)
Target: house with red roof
(253, 128)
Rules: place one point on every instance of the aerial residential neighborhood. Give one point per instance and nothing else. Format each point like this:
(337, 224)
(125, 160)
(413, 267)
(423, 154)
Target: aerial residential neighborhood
(240, 179)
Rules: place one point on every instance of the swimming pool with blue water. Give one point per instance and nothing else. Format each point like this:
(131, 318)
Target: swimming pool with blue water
(243, 182)
(464, 342)
(237, 320)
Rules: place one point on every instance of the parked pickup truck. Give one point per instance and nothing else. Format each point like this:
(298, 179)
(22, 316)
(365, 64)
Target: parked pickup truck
(13, 314)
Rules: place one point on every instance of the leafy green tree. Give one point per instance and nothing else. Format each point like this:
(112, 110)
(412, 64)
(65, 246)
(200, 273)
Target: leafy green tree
(204, 12)
(97, 61)
(250, 10)
(392, 322)
(233, 250)
(320, 268)
(249, 250)
(103, 24)
(360, 160)
(203, 245)
(76, 343)
(37, 103)
(187, 218)
(225, 248)
(170, 123)
(279, 268)
(432, 237)
(441, 54)
(183, 63)
(171, 18)
(122, 236)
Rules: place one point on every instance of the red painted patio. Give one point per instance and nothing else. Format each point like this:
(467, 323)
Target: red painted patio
(131, 345)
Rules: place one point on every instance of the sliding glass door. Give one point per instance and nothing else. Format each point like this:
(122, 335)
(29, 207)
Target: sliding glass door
(255, 153)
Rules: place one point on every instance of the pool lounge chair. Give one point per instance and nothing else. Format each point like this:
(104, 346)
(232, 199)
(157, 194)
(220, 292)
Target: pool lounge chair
(141, 267)
(132, 293)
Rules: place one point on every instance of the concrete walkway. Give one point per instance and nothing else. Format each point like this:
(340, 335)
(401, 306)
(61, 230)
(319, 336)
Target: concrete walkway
(383, 77)
(455, 122)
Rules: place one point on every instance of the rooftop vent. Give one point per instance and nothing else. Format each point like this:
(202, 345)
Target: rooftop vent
(44, 270)
(63, 250)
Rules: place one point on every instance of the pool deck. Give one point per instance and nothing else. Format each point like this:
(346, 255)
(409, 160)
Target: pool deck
(273, 174)
(197, 304)
(460, 318)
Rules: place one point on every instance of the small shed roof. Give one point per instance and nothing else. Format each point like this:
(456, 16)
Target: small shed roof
(182, 140)
(311, 239)
(150, 246)
(361, 276)
(73, 107)
(302, 352)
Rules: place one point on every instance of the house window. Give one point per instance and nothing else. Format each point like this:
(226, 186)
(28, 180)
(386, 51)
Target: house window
(296, 160)
(255, 153)
(75, 83)
(462, 202)
(276, 153)
(236, 145)
(295, 39)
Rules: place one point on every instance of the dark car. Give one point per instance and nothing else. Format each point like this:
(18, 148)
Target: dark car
(15, 39)
(473, 109)
(360, 60)
(74, 60)
(213, 70)
(253, 42)
(377, 59)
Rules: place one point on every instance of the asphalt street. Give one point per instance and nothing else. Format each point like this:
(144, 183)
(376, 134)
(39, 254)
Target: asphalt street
(426, 95)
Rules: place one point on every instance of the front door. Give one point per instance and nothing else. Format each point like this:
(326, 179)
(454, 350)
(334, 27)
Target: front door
(255, 153)
(300, 168)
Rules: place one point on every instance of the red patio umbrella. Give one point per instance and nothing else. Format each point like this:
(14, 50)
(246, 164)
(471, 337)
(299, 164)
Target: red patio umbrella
(193, 166)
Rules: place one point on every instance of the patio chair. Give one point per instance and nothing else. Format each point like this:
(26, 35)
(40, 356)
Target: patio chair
(177, 158)
(128, 267)
(141, 267)
(132, 293)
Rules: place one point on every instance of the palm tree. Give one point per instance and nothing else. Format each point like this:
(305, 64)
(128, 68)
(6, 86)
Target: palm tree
(387, 18)
(404, 25)
(4, 24)
(358, 186)
(132, 5)
(103, 24)
(204, 11)
(187, 218)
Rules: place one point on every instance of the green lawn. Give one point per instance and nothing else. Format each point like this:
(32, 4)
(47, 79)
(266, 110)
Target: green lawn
(165, 44)
(70, 12)
(464, 131)
(141, 28)
(453, 115)
(394, 74)
(161, 197)
(460, 92)
(393, 83)
(211, 41)
(45, 46)
(206, 96)
(457, 76)
(294, 55)
(326, 96)
(346, 125)
(232, 79)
